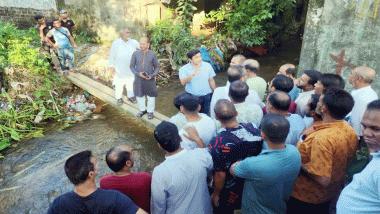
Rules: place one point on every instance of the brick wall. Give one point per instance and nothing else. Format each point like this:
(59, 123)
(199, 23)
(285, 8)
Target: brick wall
(24, 17)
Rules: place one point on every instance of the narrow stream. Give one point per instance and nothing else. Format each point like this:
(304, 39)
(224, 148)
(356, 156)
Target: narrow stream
(32, 175)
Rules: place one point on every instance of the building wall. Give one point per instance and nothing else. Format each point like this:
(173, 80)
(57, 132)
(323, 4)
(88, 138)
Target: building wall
(342, 34)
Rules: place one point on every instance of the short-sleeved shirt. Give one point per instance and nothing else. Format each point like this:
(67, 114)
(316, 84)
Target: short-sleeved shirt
(249, 113)
(269, 179)
(135, 185)
(69, 24)
(60, 37)
(179, 184)
(206, 129)
(199, 85)
(259, 85)
(99, 202)
(234, 144)
(326, 152)
(294, 92)
(362, 195)
(297, 125)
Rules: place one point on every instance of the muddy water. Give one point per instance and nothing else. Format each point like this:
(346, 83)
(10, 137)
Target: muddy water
(31, 174)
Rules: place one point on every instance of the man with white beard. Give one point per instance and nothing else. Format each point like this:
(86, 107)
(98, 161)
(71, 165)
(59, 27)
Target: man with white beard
(119, 60)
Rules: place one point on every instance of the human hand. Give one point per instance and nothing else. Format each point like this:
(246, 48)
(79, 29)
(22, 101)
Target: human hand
(75, 46)
(148, 77)
(112, 70)
(215, 199)
(141, 75)
(193, 135)
(56, 46)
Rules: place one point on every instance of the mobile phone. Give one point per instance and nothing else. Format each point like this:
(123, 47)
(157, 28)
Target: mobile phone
(145, 74)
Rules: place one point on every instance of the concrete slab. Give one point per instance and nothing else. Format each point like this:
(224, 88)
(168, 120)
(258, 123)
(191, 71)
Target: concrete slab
(107, 94)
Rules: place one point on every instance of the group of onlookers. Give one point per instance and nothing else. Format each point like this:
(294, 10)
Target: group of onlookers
(288, 154)
(57, 39)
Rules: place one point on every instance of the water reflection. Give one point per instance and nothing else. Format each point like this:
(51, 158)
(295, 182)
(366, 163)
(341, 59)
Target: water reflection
(32, 174)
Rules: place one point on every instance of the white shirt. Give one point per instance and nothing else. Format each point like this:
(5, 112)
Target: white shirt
(362, 98)
(206, 129)
(301, 102)
(120, 57)
(222, 93)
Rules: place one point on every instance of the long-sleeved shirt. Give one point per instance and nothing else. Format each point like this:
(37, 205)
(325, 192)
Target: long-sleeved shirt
(120, 57)
(179, 184)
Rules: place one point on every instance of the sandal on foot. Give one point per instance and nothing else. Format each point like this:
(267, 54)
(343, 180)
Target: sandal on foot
(132, 100)
(150, 116)
(141, 113)
(120, 102)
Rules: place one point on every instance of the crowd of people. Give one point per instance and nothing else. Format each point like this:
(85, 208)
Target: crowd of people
(57, 40)
(279, 147)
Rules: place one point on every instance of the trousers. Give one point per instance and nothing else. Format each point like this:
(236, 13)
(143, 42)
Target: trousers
(151, 103)
(66, 54)
(119, 86)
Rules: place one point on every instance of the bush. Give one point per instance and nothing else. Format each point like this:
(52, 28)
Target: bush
(167, 37)
(249, 21)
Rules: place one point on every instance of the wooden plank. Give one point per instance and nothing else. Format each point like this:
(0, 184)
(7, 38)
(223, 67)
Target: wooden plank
(107, 94)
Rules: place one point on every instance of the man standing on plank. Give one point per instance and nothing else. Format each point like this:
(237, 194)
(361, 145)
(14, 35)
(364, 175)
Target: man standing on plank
(145, 67)
(119, 60)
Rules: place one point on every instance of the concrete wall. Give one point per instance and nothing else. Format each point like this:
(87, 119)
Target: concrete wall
(341, 34)
(21, 12)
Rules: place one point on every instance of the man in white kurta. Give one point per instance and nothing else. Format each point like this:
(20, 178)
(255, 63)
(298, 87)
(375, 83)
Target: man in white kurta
(119, 60)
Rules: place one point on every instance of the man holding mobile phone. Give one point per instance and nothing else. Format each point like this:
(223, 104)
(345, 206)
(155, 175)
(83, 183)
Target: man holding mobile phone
(144, 65)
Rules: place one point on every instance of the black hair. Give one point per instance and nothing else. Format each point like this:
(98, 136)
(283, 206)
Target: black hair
(275, 127)
(283, 83)
(192, 53)
(238, 91)
(177, 100)
(374, 105)
(314, 76)
(224, 110)
(291, 71)
(281, 104)
(331, 80)
(252, 68)
(38, 16)
(167, 136)
(339, 102)
(235, 73)
(189, 102)
(78, 166)
(119, 163)
(314, 101)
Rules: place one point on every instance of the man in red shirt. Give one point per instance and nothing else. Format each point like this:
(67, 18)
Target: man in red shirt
(135, 185)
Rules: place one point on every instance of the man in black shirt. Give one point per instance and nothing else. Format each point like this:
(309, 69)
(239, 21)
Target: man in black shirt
(81, 169)
(65, 22)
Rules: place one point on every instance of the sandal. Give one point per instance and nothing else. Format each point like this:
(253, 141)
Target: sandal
(141, 113)
(150, 116)
(119, 102)
(132, 100)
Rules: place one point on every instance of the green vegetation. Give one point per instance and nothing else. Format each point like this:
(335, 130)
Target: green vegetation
(38, 97)
(250, 22)
(185, 12)
(170, 38)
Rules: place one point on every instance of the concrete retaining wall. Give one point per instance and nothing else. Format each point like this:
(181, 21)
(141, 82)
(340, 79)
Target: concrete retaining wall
(342, 34)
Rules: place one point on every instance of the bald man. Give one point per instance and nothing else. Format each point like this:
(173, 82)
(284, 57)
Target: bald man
(234, 142)
(135, 185)
(145, 67)
(289, 70)
(361, 78)
(237, 59)
(253, 81)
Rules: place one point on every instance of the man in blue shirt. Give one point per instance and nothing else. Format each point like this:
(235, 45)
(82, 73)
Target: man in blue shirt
(270, 176)
(179, 184)
(198, 78)
(64, 43)
(362, 195)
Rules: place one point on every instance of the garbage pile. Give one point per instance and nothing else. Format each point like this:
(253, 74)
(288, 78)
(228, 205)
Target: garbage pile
(80, 107)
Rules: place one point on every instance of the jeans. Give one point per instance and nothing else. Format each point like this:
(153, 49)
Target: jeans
(66, 54)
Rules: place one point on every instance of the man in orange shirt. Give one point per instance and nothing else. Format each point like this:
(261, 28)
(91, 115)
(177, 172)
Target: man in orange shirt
(325, 155)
